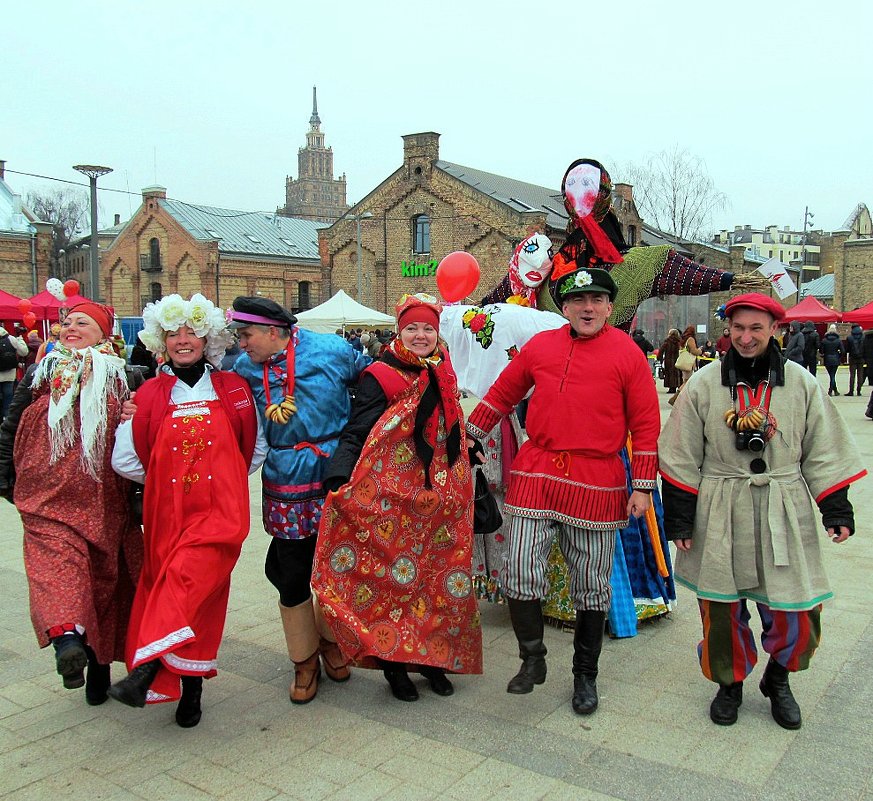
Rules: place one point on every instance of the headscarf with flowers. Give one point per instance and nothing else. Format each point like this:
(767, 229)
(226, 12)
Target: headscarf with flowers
(200, 314)
(92, 375)
(438, 389)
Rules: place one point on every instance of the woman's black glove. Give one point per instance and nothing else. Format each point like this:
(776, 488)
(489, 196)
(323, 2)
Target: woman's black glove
(333, 483)
(475, 452)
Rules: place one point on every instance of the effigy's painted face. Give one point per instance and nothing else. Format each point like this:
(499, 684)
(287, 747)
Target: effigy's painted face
(581, 188)
(533, 260)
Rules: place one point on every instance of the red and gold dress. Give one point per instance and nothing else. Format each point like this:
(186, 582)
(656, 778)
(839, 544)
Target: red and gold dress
(82, 549)
(196, 517)
(392, 569)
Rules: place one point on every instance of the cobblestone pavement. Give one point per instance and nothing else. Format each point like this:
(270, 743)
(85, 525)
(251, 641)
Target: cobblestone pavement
(651, 737)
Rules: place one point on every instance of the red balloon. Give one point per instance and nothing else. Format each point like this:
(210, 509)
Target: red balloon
(457, 276)
(71, 288)
(24, 305)
(29, 320)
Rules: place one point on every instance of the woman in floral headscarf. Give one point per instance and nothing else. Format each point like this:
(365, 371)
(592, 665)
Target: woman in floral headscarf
(82, 549)
(193, 440)
(392, 566)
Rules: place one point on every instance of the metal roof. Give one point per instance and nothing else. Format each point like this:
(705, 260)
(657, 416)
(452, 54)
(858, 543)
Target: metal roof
(821, 287)
(250, 232)
(518, 195)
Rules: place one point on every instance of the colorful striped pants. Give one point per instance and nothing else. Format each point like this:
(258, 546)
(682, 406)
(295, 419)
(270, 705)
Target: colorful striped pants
(588, 553)
(727, 651)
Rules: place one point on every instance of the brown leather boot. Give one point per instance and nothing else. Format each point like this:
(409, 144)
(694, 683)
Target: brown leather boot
(336, 666)
(302, 640)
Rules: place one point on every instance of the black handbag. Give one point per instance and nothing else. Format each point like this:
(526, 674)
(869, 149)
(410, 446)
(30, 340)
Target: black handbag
(486, 514)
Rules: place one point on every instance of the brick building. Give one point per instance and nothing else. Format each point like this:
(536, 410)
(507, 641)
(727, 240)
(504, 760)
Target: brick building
(848, 254)
(25, 244)
(315, 194)
(169, 246)
(428, 208)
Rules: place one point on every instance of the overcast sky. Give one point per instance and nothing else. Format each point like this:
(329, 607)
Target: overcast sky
(212, 99)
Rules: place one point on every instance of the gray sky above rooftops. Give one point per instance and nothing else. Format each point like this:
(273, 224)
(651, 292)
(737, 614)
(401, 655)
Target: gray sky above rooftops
(212, 100)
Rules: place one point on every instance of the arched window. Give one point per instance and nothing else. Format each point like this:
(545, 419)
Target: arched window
(632, 235)
(303, 289)
(154, 253)
(155, 288)
(421, 234)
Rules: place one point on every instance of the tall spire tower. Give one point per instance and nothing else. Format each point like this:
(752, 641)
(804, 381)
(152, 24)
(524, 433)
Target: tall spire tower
(315, 195)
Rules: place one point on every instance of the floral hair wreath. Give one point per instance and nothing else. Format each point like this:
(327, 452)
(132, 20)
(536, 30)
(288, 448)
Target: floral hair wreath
(200, 314)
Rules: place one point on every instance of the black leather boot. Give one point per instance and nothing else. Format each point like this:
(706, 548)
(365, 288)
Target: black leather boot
(398, 679)
(96, 680)
(132, 689)
(587, 642)
(188, 711)
(70, 659)
(527, 623)
(437, 679)
(783, 707)
(728, 699)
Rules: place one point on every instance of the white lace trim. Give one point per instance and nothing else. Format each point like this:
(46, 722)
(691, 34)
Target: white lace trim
(193, 665)
(155, 698)
(148, 652)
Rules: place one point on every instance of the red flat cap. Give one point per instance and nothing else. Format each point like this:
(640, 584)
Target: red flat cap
(755, 300)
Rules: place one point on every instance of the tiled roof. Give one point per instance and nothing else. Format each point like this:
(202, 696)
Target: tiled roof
(248, 232)
(822, 287)
(518, 195)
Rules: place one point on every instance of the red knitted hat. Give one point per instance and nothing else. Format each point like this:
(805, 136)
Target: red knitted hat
(755, 300)
(420, 308)
(98, 313)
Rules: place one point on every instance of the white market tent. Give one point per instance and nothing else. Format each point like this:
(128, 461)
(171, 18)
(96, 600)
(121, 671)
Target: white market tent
(343, 312)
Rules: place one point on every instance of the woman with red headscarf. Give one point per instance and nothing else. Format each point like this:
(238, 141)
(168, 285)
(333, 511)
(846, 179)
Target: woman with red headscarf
(82, 548)
(392, 566)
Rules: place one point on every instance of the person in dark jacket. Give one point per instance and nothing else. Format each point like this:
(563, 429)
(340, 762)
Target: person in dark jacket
(667, 355)
(854, 346)
(868, 359)
(794, 344)
(832, 350)
(639, 336)
(811, 341)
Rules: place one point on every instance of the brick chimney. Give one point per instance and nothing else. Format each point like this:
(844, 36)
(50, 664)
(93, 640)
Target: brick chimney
(117, 219)
(420, 151)
(2, 169)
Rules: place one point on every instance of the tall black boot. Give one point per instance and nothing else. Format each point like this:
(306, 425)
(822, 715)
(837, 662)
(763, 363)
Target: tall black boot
(587, 642)
(188, 712)
(134, 687)
(96, 679)
(527, 623)
(783, 707)
(70, 659)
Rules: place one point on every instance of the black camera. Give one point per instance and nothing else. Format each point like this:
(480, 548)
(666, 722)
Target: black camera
(750, 441)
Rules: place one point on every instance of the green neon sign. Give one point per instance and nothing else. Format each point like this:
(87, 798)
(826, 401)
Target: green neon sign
(409, 269)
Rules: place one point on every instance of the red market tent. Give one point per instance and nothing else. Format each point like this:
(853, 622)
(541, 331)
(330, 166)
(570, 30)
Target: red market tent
(9, 306)
(47, 307)
(811, 308)
(862, 316)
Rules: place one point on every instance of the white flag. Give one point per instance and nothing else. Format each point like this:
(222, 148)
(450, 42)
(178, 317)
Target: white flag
(777, 274)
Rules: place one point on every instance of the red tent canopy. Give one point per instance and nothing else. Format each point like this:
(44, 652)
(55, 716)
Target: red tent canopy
(47, 307)
(813, 309)
(862, 316)
(9, 306)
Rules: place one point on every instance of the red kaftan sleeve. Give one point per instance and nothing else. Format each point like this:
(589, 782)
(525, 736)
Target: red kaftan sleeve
(505, 394)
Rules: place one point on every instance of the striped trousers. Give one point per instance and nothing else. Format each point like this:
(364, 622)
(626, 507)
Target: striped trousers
(588, 554)
(727, 651)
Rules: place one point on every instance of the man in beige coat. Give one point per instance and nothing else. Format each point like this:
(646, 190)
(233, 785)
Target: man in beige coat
(751, 447)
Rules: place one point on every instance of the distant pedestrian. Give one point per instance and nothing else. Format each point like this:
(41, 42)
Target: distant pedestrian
(854, 346)
(794, 343)
(811, 341)
(832, 352)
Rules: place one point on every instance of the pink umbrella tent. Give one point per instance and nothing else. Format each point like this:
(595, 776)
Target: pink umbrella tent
(862, 316)
(811, 308)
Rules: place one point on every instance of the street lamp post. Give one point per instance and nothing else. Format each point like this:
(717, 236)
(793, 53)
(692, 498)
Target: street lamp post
(94, 172)
(364, 215)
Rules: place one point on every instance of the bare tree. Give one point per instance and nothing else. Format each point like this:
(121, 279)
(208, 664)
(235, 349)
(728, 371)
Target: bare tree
(674, 192)
(66, 209)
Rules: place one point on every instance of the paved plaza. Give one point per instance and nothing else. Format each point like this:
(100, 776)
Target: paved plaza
(651, 738)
